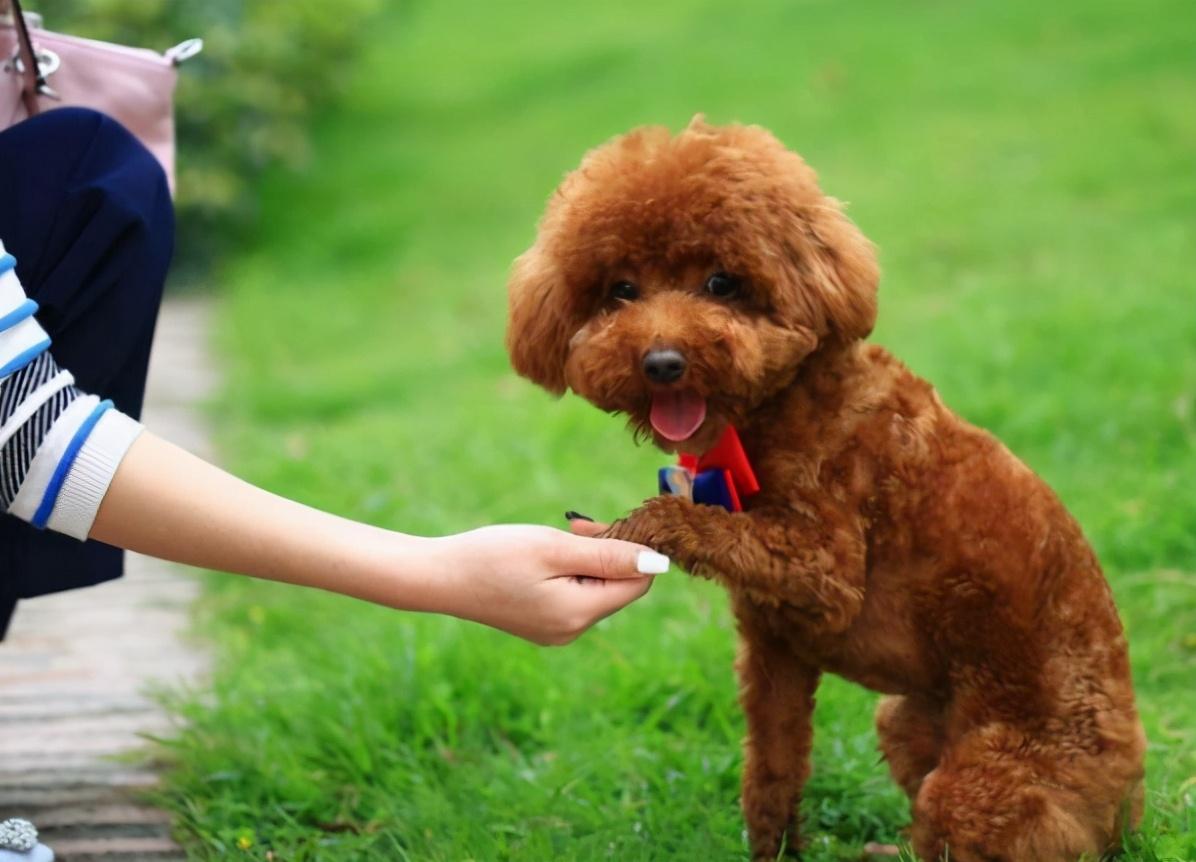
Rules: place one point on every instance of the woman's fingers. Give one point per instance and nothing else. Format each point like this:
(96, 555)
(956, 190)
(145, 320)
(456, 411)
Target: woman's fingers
(593, 599)
(610, 596)
(607, 559)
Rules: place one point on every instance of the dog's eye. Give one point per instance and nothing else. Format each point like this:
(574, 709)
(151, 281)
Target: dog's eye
(624, 290)
(722, 285)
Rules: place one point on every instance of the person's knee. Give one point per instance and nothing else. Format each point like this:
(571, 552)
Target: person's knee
(68, 130)
(119, 189)
(101, 141)
(71, 122)
(120, 167)
(69, 167)
(73, 142)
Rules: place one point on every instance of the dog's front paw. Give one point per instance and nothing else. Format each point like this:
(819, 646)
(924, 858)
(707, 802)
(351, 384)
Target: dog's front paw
(661, 523)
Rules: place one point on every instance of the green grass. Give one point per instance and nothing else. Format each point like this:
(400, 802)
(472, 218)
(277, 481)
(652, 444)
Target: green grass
(1026, 169)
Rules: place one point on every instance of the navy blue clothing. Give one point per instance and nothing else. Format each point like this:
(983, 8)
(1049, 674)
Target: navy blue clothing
(86, 211)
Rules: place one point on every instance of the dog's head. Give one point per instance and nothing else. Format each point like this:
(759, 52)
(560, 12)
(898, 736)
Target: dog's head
(682, 279)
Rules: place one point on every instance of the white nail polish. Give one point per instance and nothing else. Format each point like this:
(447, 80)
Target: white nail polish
(651, 563)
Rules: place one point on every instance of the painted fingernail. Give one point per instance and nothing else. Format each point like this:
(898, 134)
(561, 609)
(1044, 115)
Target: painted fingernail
(576, 516)
(651, 563)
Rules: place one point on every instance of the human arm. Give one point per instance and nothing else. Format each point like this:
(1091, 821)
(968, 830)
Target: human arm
(522, 579)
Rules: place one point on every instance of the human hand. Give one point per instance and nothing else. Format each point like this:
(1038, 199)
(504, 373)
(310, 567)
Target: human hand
(542, 584)
(659, 522)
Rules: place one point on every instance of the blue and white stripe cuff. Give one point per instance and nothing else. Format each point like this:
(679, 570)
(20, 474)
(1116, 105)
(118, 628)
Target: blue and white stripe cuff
(92, 472)
(49, 455)
(74, 466)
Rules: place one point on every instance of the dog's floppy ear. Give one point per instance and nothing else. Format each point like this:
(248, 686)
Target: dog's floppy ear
(829, 265)
(849, 274)
(841, 264)
(539, 320)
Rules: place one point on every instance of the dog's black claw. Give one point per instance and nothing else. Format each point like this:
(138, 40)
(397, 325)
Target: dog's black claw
(576, 516)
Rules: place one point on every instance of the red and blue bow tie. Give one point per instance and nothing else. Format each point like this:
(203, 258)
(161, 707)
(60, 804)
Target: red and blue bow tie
(721, 477)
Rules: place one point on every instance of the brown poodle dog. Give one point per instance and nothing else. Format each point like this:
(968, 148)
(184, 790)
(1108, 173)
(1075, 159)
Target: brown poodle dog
(703, 280)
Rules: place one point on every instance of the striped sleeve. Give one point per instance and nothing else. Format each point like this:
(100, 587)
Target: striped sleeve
(59, 447)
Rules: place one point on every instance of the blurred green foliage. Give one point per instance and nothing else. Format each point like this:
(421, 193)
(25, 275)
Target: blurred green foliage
(247, 102)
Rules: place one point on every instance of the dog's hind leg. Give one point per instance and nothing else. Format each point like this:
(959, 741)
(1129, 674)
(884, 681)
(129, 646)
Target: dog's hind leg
(911, 737)
(777, 693)
(1003, 795)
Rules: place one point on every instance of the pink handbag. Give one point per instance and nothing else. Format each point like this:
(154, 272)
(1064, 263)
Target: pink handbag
(134, 86)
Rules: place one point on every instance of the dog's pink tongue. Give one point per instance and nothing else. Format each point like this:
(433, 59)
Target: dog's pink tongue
(677, 415)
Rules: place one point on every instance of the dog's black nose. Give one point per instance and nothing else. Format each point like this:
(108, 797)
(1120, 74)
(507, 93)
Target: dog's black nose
(664, 366)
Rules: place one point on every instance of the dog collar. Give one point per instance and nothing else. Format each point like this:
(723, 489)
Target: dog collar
(722, 477)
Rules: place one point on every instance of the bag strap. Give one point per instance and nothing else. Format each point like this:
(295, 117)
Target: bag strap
(35, 81)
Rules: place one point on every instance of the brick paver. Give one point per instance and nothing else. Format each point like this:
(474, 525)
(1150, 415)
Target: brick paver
(76, 667)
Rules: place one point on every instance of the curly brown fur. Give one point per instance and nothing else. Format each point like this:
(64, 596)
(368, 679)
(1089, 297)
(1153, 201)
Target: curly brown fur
(892, 543)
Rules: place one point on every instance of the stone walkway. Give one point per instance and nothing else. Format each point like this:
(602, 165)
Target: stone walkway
(75, 668)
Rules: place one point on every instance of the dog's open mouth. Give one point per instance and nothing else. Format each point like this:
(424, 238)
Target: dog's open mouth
(677, 414)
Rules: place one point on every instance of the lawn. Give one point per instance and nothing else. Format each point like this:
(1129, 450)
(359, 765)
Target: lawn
(1026, 170)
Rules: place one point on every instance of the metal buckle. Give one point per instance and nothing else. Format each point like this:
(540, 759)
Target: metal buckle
(48, 62)
(184, 51)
